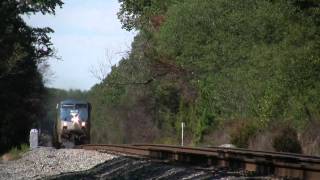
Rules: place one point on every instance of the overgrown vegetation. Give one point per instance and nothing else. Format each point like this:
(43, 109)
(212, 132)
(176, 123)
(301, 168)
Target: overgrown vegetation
(211, 63)
(287, 141)
(242, 133)
(16, 152)
(22, 49)
(243, 66)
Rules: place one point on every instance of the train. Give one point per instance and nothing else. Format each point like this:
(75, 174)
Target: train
(72, 123)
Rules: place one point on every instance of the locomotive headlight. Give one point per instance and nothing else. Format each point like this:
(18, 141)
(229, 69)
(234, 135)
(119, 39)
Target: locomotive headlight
(65, 124)
(83, 124)
(75, 119)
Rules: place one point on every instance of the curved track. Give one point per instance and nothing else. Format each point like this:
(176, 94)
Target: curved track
(265, 163)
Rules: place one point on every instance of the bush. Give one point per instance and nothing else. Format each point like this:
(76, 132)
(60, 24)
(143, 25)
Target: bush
(287, 141)
(242, 133)
(16, 152)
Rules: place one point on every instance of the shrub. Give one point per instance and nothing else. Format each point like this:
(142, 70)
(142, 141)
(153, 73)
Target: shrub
(16, 152)
(242, 133)
(287, 141)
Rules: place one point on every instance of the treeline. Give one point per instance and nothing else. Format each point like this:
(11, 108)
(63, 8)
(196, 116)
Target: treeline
(241, 72)
(22, 50)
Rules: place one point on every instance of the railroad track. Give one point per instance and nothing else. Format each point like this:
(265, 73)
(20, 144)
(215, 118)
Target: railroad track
(259, 162)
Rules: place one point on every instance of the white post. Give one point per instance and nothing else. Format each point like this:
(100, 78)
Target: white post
(33, 138)
(182, 126)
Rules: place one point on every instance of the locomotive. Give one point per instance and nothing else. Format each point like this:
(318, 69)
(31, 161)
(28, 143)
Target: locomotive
(72, 124)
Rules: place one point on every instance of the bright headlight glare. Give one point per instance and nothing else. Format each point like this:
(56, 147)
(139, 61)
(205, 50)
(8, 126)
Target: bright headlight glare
(75, 119)
(65, 124)
(83, 124)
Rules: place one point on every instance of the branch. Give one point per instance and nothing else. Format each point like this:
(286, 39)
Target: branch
(146, 82)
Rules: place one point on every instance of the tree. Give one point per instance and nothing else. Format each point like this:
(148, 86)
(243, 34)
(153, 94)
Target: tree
(260, 64)
(140, 14)
(221, 62)
(22, 49)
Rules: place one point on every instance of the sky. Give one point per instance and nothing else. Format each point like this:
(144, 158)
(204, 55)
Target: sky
(86, 33)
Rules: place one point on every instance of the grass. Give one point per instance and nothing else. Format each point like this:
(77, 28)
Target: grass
(16, 152)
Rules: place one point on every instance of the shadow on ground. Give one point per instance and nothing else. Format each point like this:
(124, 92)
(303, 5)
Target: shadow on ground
(137, 168)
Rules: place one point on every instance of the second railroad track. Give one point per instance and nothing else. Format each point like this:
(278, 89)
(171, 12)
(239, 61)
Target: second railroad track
(286, 165)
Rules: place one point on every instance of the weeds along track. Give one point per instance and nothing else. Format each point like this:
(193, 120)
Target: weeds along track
(257, 162)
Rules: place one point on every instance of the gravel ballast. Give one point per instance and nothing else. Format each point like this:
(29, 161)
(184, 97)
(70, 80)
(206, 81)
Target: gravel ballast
(46, 161)
(60, 164)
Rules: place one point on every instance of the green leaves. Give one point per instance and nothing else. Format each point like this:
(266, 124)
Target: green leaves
(138, 14)
(34, 6)
(256, 61)
(260, 64)
(22, 48)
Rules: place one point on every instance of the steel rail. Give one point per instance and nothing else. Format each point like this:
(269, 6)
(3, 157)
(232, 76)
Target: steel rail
(301, 157)
(126, 149)
(281, 164)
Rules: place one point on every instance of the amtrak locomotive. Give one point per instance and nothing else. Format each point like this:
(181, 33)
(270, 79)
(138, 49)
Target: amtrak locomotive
(72, 123)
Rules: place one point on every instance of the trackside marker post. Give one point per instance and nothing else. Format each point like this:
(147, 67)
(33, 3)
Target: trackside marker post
(33, 138)
(182, 127)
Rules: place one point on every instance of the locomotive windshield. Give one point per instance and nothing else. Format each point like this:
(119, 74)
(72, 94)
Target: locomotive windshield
(68, 110)
(83, 111)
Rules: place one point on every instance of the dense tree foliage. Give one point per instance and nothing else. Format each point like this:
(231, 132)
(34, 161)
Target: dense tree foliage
(262, 63)
(22, 48)
(244, 65)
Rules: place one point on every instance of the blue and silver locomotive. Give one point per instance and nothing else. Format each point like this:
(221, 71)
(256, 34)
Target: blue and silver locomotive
(72, 123)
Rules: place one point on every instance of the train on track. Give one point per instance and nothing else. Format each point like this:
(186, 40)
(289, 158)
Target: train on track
(72, 124)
